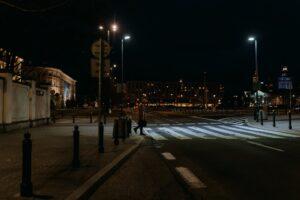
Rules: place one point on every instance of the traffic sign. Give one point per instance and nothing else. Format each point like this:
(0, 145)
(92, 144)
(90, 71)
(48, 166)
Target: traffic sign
(95, 49)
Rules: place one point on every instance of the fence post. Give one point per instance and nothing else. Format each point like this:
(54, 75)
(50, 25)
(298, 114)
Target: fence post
(261, 118)
(101, 138)
(91, 117)
(76, 161)
(274, 118)
(26, 184)
(290, 119)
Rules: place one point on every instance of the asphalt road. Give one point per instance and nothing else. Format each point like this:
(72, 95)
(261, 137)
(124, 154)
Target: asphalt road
(228, 160)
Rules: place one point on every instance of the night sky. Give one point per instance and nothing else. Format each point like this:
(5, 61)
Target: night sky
(171, 39)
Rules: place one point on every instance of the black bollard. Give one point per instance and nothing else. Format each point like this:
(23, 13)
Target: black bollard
(290, 120)
(274, 118)
(116, 132)
(53, 118)
(73, 119)
(91, 117)
(261, 118)
(26, 184)
(76, 162)
(101, 138)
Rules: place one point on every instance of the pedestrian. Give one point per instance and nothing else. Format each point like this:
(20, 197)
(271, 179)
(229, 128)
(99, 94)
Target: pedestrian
(141, 122)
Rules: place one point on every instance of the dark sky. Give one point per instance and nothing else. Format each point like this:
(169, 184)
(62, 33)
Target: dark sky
(171, 39)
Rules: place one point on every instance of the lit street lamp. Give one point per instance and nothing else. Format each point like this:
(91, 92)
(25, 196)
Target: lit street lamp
(253, 39)
(124, 38)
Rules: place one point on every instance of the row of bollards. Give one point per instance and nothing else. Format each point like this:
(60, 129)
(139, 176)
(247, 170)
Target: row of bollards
(274, 118)
(73, 118)
(26, 183)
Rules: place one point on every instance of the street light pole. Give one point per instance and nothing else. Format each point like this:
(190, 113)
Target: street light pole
(126, 37)
(251, 39)
(100, 124)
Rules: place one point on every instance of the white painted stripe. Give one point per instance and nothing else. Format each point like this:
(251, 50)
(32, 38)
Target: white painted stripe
(251, 132)
(190, 178)
(154, 135)
(266, 131)
(188, 131)
(230, 132)
(175, 134)
(211, 133)
(201, 123)
(165, 124)
(168, 156)
(265, 146)
(189, 123)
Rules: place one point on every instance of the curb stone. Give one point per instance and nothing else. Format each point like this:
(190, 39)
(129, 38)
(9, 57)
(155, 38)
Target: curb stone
(91, 185)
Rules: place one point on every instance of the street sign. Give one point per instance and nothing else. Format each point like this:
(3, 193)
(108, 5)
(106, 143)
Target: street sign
(285, 83)
(95, 49)
(95, 67)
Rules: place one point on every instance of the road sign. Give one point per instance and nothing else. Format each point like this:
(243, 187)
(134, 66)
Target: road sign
(285, 83)
(95, 49)
(95, 67)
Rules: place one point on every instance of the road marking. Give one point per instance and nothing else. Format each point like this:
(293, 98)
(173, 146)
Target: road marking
(185, 130)
(168, 156)
(211, 133)
(190, 178)
(175, 134)
(251, 132)
(265, 146)
(266, 131)
(230, 132)
(201, 123)
(154, 135)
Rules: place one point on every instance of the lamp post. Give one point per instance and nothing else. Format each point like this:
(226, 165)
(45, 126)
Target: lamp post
(124, 38)
(253, 39)
(100, 123)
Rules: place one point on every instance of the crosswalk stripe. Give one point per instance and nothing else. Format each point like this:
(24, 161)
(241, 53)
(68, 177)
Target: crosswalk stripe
(155, 136)
(185, 130)
(175, 134)
(266, 131)
(211, 133)
(231, 132)
(251, 132)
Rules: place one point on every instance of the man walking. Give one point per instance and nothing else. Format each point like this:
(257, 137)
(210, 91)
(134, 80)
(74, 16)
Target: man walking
(141, 122)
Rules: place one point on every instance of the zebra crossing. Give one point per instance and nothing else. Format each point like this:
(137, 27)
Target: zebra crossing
(234, 120)
(207, 132)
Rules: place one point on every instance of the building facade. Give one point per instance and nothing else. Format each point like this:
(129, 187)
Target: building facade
(61, 86)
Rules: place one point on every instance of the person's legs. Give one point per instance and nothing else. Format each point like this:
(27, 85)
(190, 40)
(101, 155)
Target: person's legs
(141, 130)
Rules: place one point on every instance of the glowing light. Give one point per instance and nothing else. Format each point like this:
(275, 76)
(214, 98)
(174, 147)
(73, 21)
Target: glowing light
(114, 27)
(251, 38)
(127, 37)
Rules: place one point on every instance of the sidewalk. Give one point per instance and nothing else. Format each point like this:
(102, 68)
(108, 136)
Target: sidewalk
(282, 124)
(52, 172)
(144, 176)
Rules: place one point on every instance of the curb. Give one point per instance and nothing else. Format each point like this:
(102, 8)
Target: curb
(91, 185)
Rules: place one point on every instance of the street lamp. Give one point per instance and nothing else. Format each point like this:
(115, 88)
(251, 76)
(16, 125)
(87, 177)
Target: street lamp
(253, 39)
(124, 38)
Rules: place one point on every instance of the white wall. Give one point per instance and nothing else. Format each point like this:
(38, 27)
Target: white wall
(1, 100)
(42, 105)
(20, 105)
(20, 102)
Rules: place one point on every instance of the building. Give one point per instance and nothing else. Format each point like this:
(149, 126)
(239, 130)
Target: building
(62, 87)
(177, 93)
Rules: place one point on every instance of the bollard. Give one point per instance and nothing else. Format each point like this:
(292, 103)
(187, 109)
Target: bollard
(26, 184)
(73, 119)
(53, 118)
(290, 119)
(76, 162)
(261, 118)
(274, 117)
(101, 138)
(116, 132)
(91, 117)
